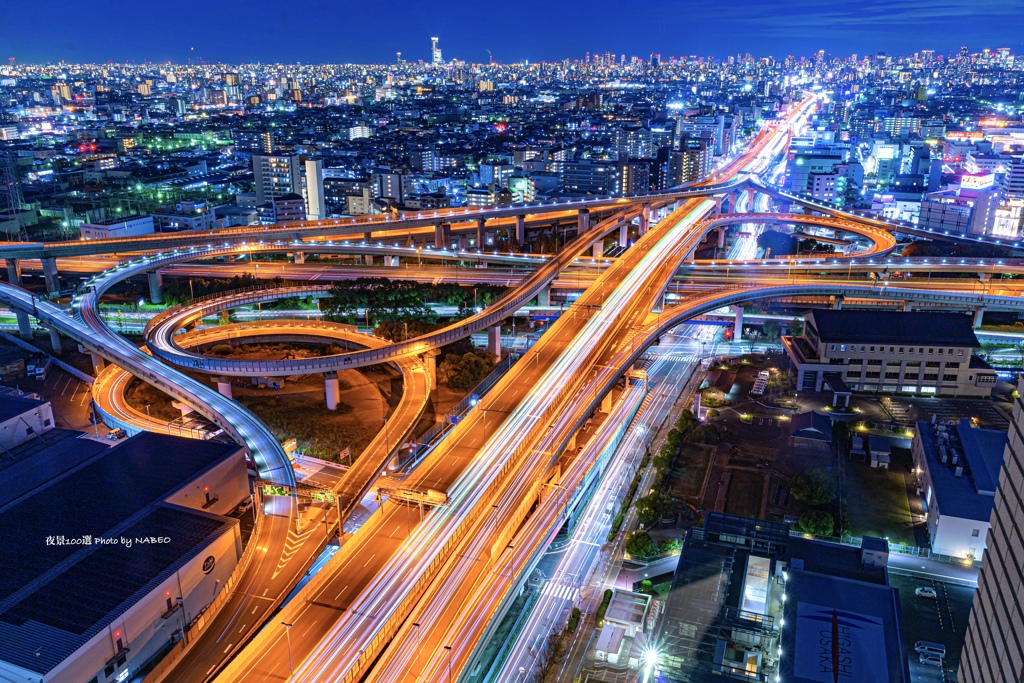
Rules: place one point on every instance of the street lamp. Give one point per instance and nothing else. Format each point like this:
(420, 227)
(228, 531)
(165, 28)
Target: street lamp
(288, 638)
(449, 649)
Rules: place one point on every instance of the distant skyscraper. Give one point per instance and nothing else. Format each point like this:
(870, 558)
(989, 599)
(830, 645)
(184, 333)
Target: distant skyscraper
(435, 52)
(993, 652)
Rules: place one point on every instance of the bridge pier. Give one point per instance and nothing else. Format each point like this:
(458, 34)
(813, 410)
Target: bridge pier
(97, 363)
(521, 229)
(430, 363)
(606, 403)
(544, 296)
(737, 326)
(442, 235)
(481, 232)
(598, 249)
(644, 222)
(494, 341)
(623, 234)
(583, 221)
(156, 286)
(368, 237)
(368, 259)
(331, 386)
(14, 277)
(721, 237)
(58, 347)
(979, 315)
(838, 304)
(50, 275)
(908, 306)
(224, 386)
(984, 277)
(299, 257)
(391, 261)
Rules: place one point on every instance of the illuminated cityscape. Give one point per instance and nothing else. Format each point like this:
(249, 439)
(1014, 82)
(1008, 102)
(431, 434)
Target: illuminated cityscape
(445, 351)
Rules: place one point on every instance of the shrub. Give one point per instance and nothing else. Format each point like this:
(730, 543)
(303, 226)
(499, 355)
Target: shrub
(603, 607)
(574, 620)
(817, 522)
(222, 350)
(639, 544)
(814, 487)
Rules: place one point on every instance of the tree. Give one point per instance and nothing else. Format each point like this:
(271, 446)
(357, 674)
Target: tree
(770, 329)
(639, 544)
(814, 487)
(650, 509)
(817, 522)
(462, 373)
(704, 433)
(778, 243)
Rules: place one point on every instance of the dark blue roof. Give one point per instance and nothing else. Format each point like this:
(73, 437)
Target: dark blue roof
(962, 496)
(894, 327)
(38, 460)
(866, 618)
(53, 598)
(811, 425)
(13, 406)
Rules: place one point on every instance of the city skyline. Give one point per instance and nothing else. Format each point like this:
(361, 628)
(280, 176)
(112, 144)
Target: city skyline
(261, 32)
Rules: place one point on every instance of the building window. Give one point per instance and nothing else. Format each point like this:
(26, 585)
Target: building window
(951, 352)
(862, 348)
(920, 349)
(871, 375)
(901, 349)
(960, 352)
(891, 349)
(930, 378)
(931, 351)
(975, 533)
(842, 347)
(949, 378)
(892, 375)
(872, 349)
(932, 364)
(833, 347)
(940, 352)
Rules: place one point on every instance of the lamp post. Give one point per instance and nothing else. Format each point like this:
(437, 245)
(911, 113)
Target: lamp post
(288, 639)
(449, 650)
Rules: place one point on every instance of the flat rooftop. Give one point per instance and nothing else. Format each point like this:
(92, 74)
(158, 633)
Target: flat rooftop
(53, 596)
(13, 406)
(42, 458)
(971, 496)
(840, 629)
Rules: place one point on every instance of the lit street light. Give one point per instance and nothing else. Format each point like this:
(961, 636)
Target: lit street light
(288, 638)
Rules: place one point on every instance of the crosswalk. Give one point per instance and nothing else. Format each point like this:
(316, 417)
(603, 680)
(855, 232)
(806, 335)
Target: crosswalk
(560, 591)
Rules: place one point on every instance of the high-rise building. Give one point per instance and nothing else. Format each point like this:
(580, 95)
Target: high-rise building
(969, 209)
(993, 651)
(313, 189)
(435, 52)
(1014, 182)
(277, 175)
(253, 141)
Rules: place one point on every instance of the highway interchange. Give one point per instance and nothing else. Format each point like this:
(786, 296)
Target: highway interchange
(411, 594)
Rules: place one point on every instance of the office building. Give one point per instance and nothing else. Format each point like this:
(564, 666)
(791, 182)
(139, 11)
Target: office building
(750, 602)
(1014, 180)
(957, 469)
(435, 52)
(253, 141)
(633, 143)
(394, 185)
(128, 226)
(889, 352)
(969, 209)
(313, 189)
(994, 650)
(185, 216)
(288, 208)
(590, 177)
(129, 547)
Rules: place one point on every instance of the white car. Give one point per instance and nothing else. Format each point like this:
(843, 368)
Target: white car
(926, 592)
(930, 660)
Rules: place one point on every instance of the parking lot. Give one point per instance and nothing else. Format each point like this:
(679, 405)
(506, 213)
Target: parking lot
(942, 620)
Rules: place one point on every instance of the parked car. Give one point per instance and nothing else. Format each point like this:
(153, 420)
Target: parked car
(926, 647)
(117, 434)
(926, 592)
(930, 660)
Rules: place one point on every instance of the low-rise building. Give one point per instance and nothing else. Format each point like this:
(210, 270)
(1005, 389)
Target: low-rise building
(117, 556)
(751, 602)
(130, 226)
(23, 418)
(890, 352)
(957, 468)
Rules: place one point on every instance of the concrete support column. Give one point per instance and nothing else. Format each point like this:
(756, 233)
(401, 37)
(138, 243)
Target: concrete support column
(156, 286)
(97, 363)
(442, 235)
(983, 277)
(979, 314)
(750, 199)
(584, 221)
(50, 275)
(368, 259)
(645, 219)
(838, 305)
(598, 251)
(299, 257)
(24, 325)
(721, 237)
(481, 232)
(333, 394)
(623, 234)
(14, 277)
(391, 261)
(521, 229)
(224, 386)
(58, 347)
(494, 340)
(14, 271)
(571, 446)
(544, 296)
(368, 237)
(737, 326)
(606, 403)
(430, 361)
(908, 306)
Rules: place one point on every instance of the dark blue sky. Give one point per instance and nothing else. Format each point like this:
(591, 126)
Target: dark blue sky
(320, 31)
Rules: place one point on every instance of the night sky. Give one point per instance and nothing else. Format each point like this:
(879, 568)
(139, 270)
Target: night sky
(335, 31)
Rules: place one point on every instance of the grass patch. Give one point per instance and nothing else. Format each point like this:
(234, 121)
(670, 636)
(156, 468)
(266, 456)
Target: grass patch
(691, 466)
(876, 503)
(744, 495)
